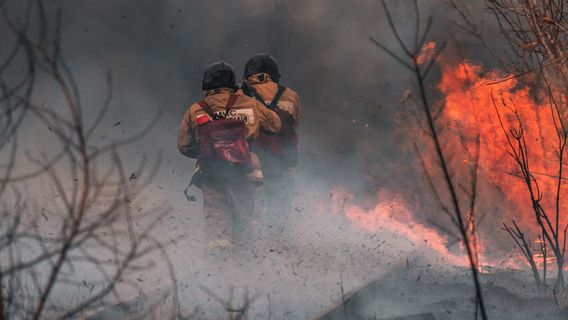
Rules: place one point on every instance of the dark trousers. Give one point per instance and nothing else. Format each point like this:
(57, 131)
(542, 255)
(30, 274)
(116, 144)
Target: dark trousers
(228, 204)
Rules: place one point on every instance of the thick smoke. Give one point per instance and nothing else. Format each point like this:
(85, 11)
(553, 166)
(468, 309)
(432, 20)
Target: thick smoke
(156, 51)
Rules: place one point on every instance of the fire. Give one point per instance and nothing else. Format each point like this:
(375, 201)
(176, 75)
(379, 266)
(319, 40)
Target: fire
(427, 53)
(470, 97)
(469, 111)
(539, 257)
(391, 213)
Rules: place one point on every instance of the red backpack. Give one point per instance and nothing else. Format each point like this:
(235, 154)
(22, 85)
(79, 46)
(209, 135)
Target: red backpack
(223, 139)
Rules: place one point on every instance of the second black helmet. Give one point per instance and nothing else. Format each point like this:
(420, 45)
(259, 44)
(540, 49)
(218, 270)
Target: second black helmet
(262, 63)
(218, 75)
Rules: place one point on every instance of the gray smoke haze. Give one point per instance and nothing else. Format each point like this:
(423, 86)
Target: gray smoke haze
(156, 52)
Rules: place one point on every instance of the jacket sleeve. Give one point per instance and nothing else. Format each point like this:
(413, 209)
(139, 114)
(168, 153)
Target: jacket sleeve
(269, 120)
(186, 142)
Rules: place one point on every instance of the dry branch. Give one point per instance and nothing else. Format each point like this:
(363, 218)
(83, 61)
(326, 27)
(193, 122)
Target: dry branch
(92, 195)
(410, 59)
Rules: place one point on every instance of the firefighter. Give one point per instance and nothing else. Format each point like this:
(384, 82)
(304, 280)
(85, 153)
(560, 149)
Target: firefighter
(277, 152)
(216, 131)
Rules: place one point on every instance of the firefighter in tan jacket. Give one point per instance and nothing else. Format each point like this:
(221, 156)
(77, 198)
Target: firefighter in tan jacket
(277, 152)
(217, 131)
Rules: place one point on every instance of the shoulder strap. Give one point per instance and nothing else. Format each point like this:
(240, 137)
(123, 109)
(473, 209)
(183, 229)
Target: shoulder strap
(277, 96)
(231, 101)
(274, 103)
(206, 108)
(257, 96)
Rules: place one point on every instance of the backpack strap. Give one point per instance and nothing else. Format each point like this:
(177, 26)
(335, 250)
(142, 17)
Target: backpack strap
(274, 103)
(231, 101)
(257, 96)
(277, 96)
(207, 109)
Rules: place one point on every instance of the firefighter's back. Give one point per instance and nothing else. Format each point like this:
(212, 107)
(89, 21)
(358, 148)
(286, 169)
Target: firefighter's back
(217, 131)
(278, 153)
(246, 109)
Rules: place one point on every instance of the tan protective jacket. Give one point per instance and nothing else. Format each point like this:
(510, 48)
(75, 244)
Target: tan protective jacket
(266, 88)
(253, 113)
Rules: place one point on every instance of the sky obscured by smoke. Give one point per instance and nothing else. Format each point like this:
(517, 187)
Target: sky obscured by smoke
(351, 129)
(157, 50)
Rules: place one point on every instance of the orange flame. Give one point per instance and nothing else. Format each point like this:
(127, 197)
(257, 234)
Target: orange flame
(427, 53)
(392, 214)
(469, 111)
(471, 96)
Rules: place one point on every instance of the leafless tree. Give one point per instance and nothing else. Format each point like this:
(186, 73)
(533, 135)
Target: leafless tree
(94, 222)
(524, 244)
(553, 233)
(444, 189)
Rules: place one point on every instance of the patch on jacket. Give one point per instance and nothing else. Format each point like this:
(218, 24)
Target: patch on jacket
(288, 107)
(245, 115)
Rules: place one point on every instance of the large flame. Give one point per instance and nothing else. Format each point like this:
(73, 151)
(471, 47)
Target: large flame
(471, 100)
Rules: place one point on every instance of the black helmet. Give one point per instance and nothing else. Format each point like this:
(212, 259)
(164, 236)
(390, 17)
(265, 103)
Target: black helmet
(262, 63)
(218, 75)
